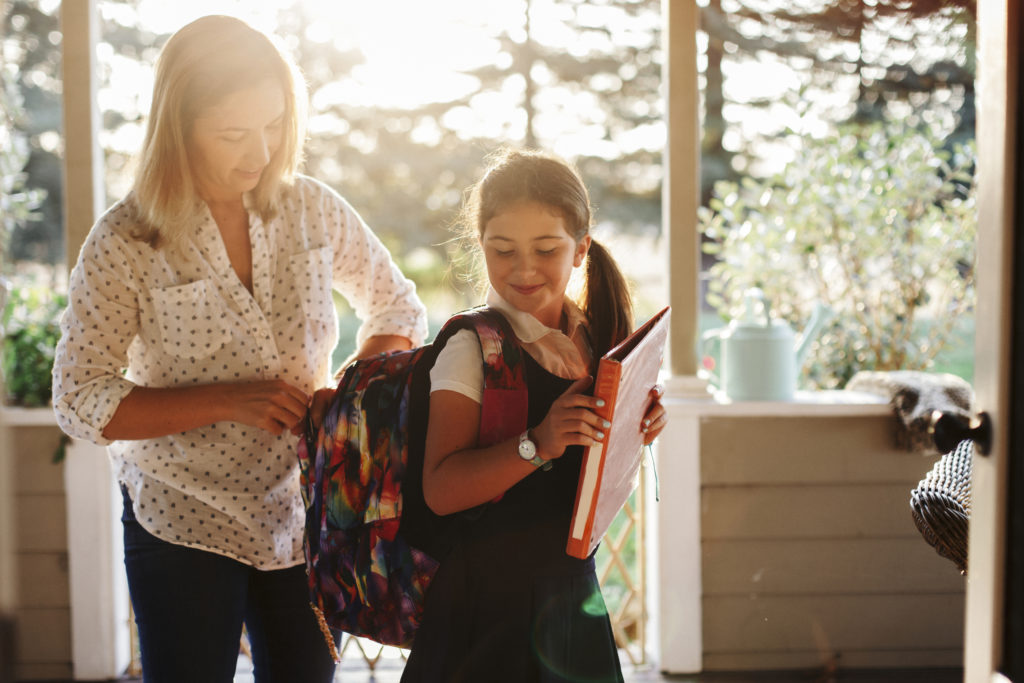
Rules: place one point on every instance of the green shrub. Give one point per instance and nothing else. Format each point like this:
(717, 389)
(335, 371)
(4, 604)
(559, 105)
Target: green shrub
(878, 222)
(31, 329)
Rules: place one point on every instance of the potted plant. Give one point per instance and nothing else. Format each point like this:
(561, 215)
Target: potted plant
(30, 325)
(878, 223)
(28, 310)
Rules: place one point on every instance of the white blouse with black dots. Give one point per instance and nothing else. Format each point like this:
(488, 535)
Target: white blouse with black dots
(179, 315)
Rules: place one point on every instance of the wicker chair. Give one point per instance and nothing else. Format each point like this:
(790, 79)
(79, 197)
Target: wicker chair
(941, 504)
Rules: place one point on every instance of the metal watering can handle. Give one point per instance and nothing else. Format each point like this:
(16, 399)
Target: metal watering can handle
(751, 298)
(706, 340)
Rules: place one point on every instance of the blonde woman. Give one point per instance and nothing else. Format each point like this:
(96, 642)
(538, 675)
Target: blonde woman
(200, 324)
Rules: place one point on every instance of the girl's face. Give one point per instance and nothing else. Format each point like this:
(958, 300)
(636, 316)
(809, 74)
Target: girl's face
(234, 140)
(530, 256)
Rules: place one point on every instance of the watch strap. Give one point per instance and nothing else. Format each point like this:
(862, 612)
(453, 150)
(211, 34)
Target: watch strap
(540, 463)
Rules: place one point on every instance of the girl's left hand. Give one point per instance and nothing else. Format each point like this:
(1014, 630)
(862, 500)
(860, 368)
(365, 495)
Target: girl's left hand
(655, 419)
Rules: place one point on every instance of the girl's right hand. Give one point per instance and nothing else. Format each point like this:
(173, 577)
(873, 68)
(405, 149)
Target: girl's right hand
(571, 421)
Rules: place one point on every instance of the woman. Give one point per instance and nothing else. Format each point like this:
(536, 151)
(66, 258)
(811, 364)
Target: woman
(200, 324)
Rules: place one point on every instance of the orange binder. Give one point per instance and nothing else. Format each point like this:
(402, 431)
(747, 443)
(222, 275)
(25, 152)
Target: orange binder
(625, 377)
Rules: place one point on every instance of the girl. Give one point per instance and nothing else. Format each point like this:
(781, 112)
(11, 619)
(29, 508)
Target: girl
(508, 603)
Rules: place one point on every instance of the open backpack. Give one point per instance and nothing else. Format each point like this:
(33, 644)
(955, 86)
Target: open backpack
(370, 540)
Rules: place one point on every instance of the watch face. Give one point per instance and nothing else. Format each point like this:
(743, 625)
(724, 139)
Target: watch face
(527, 449)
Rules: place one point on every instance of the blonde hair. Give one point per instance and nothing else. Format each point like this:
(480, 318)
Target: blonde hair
(200, 64)
(515, 176)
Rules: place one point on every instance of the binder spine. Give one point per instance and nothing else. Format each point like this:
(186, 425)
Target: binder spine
(580, 543)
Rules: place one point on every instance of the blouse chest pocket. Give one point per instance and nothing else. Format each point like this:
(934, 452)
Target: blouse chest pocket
(191, 320)
(313, 276)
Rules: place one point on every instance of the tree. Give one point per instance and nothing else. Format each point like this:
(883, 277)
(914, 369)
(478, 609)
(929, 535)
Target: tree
(874, 223)
(914, 60)
(406, 168)
(31, 66)
(17, 204)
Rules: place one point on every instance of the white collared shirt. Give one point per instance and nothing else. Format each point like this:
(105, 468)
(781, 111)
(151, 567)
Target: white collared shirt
(459, 365)
(179, 316)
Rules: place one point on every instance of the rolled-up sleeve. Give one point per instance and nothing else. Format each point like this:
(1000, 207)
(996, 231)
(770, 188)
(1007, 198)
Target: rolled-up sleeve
(97, 327)
(365, 274)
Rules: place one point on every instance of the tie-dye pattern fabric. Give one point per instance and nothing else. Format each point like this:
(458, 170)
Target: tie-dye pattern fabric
(365, 577)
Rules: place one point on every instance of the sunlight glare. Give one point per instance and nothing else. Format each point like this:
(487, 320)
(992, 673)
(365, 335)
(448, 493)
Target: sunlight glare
(417, 58)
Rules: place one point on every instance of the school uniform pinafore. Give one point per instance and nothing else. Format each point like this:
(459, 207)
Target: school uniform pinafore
(508, 603)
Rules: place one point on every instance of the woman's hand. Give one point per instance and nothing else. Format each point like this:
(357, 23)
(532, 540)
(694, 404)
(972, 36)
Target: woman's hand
(273, 405)
(150, 412)
(655, 418)
(377, 344)
(571, 421)
(317, 410)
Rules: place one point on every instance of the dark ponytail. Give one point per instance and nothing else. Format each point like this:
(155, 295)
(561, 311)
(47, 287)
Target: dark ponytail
(605, 300)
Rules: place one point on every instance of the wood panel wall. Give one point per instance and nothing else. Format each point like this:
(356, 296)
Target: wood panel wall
(43, 611)
(810, 557)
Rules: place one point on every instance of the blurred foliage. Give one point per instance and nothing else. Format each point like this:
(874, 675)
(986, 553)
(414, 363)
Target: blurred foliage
(405, 169)
(18, 205)
(887, 58)
(562, 69)
(30, 61)
(30, 325)
(878, 222)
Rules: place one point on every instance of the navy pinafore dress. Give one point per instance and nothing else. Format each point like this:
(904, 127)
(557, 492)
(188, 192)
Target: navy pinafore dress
(508, 603)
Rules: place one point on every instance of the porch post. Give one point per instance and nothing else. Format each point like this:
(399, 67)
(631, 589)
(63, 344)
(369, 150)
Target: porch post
(100, 646)
(677, 609)
(83, 158)
(8, 567)
(681, 185)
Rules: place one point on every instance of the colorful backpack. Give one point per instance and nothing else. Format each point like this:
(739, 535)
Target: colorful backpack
(370, 540)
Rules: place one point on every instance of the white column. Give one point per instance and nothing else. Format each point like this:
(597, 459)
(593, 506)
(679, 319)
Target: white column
(681, 184)
(8, 565)
(83, 158)
(100, 647)
(678, 566)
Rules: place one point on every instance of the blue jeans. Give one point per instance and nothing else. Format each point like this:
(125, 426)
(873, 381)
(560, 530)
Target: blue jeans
(190, 606)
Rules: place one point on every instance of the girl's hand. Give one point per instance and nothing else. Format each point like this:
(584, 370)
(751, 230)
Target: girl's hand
(571, 421)
(655, 418)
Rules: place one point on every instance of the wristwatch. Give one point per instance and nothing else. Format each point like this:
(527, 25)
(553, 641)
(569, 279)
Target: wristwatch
(528, 452)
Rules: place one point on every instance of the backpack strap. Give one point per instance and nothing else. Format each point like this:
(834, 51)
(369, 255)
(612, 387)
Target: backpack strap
(504, 408)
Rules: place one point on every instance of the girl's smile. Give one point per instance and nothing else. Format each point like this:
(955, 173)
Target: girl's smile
(524, 290)
(530, 256)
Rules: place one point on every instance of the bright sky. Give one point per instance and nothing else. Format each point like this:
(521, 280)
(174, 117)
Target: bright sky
(414, 51)
(408, 44)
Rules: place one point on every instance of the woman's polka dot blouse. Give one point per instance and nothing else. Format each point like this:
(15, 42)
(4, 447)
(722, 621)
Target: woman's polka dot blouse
(179, 315)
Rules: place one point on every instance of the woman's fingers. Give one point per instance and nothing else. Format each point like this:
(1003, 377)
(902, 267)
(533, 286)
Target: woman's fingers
(318, 408)
(274, 405)
(290, 405)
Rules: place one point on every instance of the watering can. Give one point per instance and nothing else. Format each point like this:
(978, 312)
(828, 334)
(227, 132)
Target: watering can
(760, 356)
